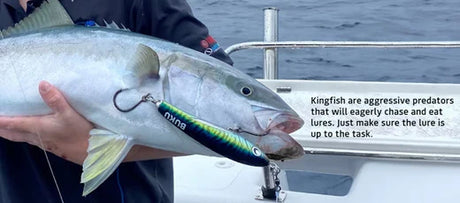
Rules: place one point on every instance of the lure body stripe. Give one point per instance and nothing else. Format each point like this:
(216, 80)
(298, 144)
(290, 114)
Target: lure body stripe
(221, 141)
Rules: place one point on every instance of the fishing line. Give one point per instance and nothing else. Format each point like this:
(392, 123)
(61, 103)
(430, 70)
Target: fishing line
(51, 168)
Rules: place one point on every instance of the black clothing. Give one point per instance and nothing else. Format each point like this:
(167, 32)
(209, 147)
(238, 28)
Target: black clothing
(25, 177)
(24, 173)
(171, 20)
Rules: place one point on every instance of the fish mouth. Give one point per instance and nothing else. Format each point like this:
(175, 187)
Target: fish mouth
(286, 122)
(276, 142)
(278, 145)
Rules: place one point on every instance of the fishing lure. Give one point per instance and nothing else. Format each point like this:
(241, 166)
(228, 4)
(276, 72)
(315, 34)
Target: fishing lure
(219, 140)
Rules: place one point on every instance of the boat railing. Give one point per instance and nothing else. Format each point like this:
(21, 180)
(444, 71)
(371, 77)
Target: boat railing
(270, 46)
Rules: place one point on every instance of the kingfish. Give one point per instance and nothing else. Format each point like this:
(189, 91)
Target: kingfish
(98, 69)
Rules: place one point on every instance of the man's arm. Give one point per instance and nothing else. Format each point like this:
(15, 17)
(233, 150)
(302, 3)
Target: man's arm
(64, 133)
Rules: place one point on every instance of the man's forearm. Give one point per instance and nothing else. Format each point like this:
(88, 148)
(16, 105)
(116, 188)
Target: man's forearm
(64, 132)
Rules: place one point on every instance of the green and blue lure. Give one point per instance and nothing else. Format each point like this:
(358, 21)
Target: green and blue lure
(219, 140)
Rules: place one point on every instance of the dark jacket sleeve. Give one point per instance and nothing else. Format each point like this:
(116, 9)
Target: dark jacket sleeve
(173, 20)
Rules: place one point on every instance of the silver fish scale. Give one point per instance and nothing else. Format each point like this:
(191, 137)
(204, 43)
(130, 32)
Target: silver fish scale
(60, 57)
(90, 64)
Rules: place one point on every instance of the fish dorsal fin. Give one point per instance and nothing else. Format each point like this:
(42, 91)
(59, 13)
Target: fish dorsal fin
(115, 26)
(106, 151)
(143, 64)
(50, 14)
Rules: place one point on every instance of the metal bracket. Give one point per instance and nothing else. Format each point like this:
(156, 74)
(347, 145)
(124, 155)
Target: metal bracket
(281, 197)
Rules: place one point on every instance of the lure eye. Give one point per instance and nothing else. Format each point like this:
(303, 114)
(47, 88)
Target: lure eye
(256, 151)
(246, 91)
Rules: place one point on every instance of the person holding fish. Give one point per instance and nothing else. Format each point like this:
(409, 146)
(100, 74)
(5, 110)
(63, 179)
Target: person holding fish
(24, 173)
(123, 89)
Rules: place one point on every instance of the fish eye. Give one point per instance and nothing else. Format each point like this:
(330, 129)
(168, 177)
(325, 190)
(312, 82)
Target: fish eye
(256, 151)
(246, 91)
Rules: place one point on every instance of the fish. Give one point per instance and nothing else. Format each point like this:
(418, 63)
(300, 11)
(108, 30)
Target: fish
(102, 71)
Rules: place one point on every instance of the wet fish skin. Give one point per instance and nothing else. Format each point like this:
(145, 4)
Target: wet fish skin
(90, 64)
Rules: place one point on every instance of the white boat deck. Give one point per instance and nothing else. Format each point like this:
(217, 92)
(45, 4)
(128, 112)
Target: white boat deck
(222, 180)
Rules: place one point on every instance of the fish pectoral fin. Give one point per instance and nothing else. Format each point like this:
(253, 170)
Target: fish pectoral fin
(144, 64)
(106, 151)
(50, 14)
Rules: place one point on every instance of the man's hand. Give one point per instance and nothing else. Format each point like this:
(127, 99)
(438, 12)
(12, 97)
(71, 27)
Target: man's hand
(64, 132)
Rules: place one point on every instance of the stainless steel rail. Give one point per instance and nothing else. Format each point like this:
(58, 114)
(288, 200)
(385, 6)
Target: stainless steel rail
(271, 36)
(341, 44)
(384, 154)
(270, 72)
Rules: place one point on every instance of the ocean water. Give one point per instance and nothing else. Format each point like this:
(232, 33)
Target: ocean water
(235, 21)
